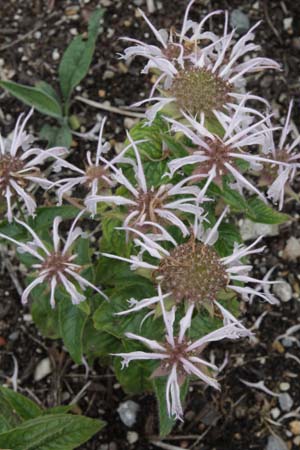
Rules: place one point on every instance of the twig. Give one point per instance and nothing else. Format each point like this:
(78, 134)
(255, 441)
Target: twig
(165, 446)
(269, 21)
(80, 393)
(113, 109)
(29, 33)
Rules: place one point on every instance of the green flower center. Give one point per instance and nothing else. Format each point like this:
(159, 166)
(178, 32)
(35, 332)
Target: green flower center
(199, 90)
(192, 272)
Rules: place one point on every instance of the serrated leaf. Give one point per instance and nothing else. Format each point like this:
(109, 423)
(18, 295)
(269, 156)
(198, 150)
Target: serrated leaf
(72, 322)
(51, 432)
(46, 214)
(258, 211)
(166, 423)
(56, 136)
(34, 97)
(21, 405)
(77, 58)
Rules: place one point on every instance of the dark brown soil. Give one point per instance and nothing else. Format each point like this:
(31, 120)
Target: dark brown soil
(239, 417)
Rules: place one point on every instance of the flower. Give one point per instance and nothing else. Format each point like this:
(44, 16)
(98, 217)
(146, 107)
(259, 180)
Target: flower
(19, 169)
(193, 272)
(95, 177)
(199, 77)
(217, 156)
(55, 266)
(287, 157)
(178, 356)
(147, 204)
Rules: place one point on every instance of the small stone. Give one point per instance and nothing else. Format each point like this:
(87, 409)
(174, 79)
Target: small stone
(42, 369)
(292, 249)
(37, 35)
(295, 427)
(275, 443)
(127, 412)
(287, 23)
(278, 346)
(102, 93)
(108, 75)
(251, 230)
(296, 441)
(284, 386)
(14, 336)
(266, 81)
(275, 413)
(27, 318)
(283, 291)
(55, 54)
(239, 21)
(129, 123)
(296, 43)
(286, 402)
(132, 437)
(287, 342)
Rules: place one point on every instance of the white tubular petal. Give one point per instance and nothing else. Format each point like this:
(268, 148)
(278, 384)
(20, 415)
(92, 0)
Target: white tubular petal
(174, 220)
(138, 355)
(84, 282)
(153, 29)
(242, 251)
(140, 176)
(18, 133)
(153, 345)
(73, 234)
(134, 262)
(138, 305)
(192, 369)
(8, 195)
(173, 395)
(56, 237)
(247, 291)
(197, 360)
(52, 291)
(37, 240)
(151, 246)
(229, 318)
(116, 199)
(30, 287)
(213, 235)
(99, 145)
(227, 332)
(243, 181)
(76, 297)
(185, 322)
(27, 199)
(178, 163)
(169, 318)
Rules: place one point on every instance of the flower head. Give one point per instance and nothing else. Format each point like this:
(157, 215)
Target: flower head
(148, 204)
(201, 74)
(55, 266)
(216, 156)
(19, 169)
(178, 356)
(286, 154)
(193, 272)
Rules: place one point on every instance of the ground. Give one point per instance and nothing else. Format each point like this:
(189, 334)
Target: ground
(33, 35)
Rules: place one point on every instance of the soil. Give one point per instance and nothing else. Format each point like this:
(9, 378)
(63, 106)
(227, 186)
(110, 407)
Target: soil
(33, 35)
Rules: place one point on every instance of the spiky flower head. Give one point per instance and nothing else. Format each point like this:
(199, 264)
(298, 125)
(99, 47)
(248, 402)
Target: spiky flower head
(163, 205)
(279, 177)
(55, 266)
(196, 76)
(19, 168)
(193, 272)
(215, 156)
(179, 357)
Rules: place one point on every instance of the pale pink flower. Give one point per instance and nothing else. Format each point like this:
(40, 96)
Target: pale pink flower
(216, 156)
(196, 77)
(148, 204)
(55, 266)
(19, 168)
(194, 272)
(286, 155)
(178, 356)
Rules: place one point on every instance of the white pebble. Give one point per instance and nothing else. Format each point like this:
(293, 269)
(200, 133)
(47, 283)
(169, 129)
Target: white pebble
(275, 413)
(283, 291)
(55, 54)
(42, 369)
(284, 386)
(132, 437)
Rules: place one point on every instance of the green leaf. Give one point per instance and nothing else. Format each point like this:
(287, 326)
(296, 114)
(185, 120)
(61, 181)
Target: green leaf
(46, 214)
(51, 432)
(260, 212)
(135, 378)
(228, 236)
(44, 317)
(77, 58)
(21, 405)
(48, 89)
(166, 423)
(72, 322)
(99, 343)
(56, 136)
(34, 97)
